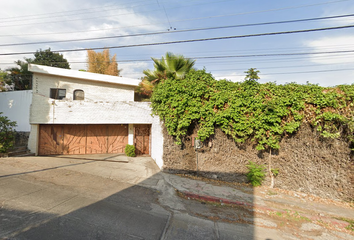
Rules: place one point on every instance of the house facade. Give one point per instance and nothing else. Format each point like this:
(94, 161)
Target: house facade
(74, 112)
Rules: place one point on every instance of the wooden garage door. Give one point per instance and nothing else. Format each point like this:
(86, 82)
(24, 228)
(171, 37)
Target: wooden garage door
(82, 139)
(142, 139)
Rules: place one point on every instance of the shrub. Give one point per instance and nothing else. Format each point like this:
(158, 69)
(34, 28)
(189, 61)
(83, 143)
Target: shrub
(129, 150)
(7, 134)
(256, 173)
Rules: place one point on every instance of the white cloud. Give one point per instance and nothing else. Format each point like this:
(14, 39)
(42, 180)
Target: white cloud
(338, 43)
(118, 20)
(133, 69)
(232, 76)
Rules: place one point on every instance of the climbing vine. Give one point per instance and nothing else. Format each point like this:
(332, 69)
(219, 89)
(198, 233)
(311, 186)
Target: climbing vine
(263, 113)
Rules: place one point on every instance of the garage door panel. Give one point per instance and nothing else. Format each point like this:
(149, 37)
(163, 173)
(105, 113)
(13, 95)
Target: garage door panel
(117, 138)
(74, 139)
(50, 139)
(142, 139)
(96, 139)
(82, 139)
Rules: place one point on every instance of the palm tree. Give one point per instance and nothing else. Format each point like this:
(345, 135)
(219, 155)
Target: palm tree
(170, 66)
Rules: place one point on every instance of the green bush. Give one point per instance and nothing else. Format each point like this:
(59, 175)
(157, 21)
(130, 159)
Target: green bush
(129, 150)
(262, 113)
(256, 173)
(7, 134)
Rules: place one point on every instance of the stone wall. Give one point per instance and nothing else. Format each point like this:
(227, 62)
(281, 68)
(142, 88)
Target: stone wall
(21, 139)
(306, 161)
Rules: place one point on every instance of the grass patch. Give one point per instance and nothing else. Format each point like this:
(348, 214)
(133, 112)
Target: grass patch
(271, 193)
(291, 216)
(350, 221)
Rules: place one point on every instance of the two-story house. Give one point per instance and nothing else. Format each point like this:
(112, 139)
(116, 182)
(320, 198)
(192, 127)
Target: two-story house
(75, 112)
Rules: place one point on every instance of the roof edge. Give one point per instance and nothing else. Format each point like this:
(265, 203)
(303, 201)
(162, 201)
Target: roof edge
(82, 75)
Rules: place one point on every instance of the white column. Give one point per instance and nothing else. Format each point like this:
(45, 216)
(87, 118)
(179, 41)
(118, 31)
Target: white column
(33, 139)
(131, 134)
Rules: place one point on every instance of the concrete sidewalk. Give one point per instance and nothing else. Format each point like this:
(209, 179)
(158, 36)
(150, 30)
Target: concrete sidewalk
(267, 201)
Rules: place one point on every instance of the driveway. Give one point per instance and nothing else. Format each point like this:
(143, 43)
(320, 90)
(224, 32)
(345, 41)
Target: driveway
(72, 198)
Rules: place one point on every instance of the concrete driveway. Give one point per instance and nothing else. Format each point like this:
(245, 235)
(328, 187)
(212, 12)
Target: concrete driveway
(98, 197)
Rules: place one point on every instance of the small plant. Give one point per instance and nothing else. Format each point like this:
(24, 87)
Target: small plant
(350, 221)
(275, 172)
(279, 214)
(7, 134)
(256, 173)
(129, 150)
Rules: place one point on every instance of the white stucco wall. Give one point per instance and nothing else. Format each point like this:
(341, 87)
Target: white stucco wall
(16, 106)
(79, 112)
(94, 91)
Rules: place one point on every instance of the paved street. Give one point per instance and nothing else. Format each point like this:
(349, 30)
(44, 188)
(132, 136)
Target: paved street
(116, 198)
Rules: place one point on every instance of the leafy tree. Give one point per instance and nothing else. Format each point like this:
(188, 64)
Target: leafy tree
(252, 75)
(170, 66)
(4, 80)
(19, 76)
(7, 133)
(102, 62)
(49, 58)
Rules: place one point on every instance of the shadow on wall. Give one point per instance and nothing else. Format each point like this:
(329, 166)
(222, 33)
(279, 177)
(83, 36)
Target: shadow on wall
(134, 212)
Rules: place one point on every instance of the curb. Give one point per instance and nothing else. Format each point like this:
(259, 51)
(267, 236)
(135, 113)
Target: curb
(213, 199)
(333, 223)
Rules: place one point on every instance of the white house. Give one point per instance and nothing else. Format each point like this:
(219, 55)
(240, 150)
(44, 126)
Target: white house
(74, 112)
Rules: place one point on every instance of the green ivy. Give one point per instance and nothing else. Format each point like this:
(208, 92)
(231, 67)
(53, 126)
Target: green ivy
(246, 110)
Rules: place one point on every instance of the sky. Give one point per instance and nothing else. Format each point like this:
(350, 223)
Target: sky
(323, 57)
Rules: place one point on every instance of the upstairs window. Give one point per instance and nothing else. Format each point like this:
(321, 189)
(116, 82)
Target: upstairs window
(57, 93)
(79, 95)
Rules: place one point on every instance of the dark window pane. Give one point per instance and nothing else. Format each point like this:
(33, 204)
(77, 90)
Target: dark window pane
(79, 95)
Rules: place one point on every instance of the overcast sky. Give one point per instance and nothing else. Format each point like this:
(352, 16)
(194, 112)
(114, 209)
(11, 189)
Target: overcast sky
(33, 21)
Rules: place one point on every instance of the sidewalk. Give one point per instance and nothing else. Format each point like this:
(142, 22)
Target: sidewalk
(264, 201)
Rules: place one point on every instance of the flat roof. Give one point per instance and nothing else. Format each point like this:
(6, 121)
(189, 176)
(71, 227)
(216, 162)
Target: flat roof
(82, 75)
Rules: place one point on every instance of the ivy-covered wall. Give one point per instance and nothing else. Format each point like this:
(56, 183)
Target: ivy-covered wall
(306, 129)
(307, 162)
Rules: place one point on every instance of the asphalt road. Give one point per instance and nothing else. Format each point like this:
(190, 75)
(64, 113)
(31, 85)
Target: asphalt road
(53, 198)
(62, 198)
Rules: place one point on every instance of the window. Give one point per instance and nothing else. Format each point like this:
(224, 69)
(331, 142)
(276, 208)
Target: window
(79, 95)
(57, 93)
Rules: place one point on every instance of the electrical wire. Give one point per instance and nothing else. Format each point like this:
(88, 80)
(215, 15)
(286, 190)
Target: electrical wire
(178, 31)
(194, 19)
(192, 40)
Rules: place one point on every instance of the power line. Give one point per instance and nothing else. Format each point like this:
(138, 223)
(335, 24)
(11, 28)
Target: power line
(179, 31)
(316, 71)
(53, 13)
(217, 16)
(191, 40)
(236, 56)
(115, 15)
(62, 14)
(275, 73)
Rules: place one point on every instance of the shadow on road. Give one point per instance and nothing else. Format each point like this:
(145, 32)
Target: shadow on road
(141, 211)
